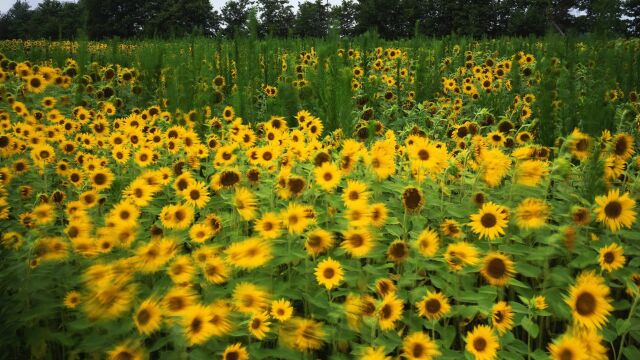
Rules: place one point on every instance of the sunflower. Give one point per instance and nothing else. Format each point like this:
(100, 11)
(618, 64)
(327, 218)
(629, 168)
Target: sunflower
(611, 257)
(148, 317)
(181, 271)
(249, 254)
(373, 353)
(355, 194)
(494, 166)
(451, 228)
(195, 325)
(296, 218)
(433, 306)
(531, 172)
(579, 144)
(389, 311)
(615, 211)
(398, 251)
(589, 301)
(72, 300)
(532, 213)
(419, 346)
(318, 241)
(427, 243)
(357, 242)
(281, 310)
(126, 350)
(250, 299)
(219, 313)
(235, 352)
(460, 254)
(302, 334)
(228, 114)
(568, 348)
(482, 343)
(490, 221)
(497, 269)
(496, 138)
(177, 300)
(502, 317)
(268, 226)
(199, 233)
(378, 214)
(327, 176)
(124, 214)
(428, 156)
(245, 202)
(329, 273)
(412, 199)
(177, 216)
(259, 325)
(196, 194)
(215, 270)
(100, 179)
(622, 146)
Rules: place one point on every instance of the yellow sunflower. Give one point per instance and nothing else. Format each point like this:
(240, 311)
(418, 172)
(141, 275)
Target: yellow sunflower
(615, 211)
(419, 346)
(611, 257)
(589, 301)
(259, 325)
(281, 310)
(502, 317)
(482, 343)
(329, 273)
(148, 317)
(427, 243)
(327, 176)
(497, 269)
(490, 221)
(433, 306)
(357, 242)
(532, 213)
(568, 348)
(389, 311)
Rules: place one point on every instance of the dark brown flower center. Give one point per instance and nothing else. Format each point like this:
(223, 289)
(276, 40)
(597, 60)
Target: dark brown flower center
(613, 209)
(488, 220)
(585, 304)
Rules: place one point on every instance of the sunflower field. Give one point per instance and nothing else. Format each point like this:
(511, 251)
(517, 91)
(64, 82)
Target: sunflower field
(327, 199)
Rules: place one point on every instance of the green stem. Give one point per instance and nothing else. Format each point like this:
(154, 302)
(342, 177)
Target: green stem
(624, 335)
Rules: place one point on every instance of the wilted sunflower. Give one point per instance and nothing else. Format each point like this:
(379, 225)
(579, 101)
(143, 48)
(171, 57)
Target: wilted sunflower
(615, 211)
(433, 306)
(490, 221)
(532, 213)
(497, 269)
(389, 311)
(482, 343)
(589, 301)
(611, 257)
(419, 346)
(502, 317)
(148, 317)
(412, 199)
(329, 273)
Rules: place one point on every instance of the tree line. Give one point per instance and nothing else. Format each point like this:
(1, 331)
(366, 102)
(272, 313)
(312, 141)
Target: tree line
(391, 19)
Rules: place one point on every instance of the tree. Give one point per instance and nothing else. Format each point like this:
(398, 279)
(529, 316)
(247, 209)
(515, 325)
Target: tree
(234, 16)
(602, 16)
(15, 23)
(180, 17)
(345, 16)
(631, 11)
(312, 19)
(276, 16)
(109, 18)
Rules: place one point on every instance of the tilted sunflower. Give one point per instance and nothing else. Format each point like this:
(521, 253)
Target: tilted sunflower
(589, 301)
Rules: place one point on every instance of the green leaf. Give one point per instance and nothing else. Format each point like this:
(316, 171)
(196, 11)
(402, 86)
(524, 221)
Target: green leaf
(622, 326)
(530, 327)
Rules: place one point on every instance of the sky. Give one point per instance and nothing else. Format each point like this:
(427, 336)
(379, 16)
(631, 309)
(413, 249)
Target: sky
(217, 4)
